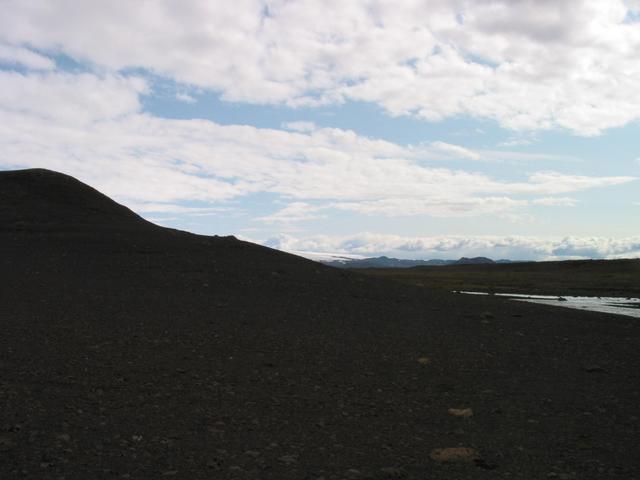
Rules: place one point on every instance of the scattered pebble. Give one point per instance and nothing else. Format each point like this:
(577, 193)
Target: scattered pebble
(424, 360)
(288, 459)
(594, 369)
(453, 454)
(6, 444)
(393, 472)
(461, 412)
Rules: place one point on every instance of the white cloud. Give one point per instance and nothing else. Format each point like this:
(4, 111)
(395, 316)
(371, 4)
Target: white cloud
(300, 126)
(633, 5)
(455, 150)
(556, 202)
(512, 247)
(69, 99)
(24, 57)
(185, 97)
(527, 64)
(553, 183)
(293, 212)
(520, 157)
(151, 207)
(518, 141)
(445, 206)
(91, 126)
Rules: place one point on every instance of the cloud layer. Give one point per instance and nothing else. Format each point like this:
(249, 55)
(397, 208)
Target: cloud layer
(525, 63)
(91, 126)
(75, 79)
(453, 247)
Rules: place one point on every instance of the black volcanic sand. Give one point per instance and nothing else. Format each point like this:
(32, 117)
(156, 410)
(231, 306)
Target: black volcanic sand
(616, 278)
(132, 351)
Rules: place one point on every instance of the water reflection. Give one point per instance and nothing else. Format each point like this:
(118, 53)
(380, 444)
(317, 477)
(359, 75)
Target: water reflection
(616, 305)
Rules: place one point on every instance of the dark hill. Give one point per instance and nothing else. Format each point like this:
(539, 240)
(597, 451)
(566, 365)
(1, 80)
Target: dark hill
(43, 200)
(474, 261)
(133, 351)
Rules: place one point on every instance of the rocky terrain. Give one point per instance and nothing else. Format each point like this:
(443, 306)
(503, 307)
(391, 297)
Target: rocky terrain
(132, 351)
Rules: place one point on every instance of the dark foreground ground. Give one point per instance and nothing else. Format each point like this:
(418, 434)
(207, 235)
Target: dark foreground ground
(130, 351)
(618, 278)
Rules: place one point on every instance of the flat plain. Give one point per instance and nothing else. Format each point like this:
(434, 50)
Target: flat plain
(618, 278)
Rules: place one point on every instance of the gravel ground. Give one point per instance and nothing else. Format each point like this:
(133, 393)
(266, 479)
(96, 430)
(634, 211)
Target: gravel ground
(132, 351)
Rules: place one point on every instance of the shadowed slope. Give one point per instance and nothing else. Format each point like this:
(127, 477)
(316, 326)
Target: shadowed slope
(44, 213)
(43, 200)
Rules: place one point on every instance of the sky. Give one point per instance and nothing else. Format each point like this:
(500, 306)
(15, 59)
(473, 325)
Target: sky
(413, 129)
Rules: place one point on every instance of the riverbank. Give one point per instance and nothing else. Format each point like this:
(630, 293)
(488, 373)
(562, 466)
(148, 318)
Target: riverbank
(612, 278)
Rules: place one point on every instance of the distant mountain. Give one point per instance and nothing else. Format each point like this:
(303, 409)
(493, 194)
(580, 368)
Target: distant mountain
(473, 261)
(381, 262)
(387, 262)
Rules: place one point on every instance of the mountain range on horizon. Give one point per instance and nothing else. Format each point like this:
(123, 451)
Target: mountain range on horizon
(390, 262)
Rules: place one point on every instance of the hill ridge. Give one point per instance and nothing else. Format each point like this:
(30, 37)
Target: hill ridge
(38, 199)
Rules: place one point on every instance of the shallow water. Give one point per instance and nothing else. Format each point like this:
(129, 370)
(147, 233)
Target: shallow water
(616, 305)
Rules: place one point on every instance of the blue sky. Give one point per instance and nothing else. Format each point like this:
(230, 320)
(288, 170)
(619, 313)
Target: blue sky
(413, 129)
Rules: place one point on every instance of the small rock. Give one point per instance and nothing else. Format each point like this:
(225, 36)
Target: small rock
(484, 464)
(169, 473)
(6, 444)
(353, 473)
(461, 412)
(252, 453)
(214, 464)
(288, 459)
(424, 360)
(594, 369)
(393, 472)
(453, 454)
